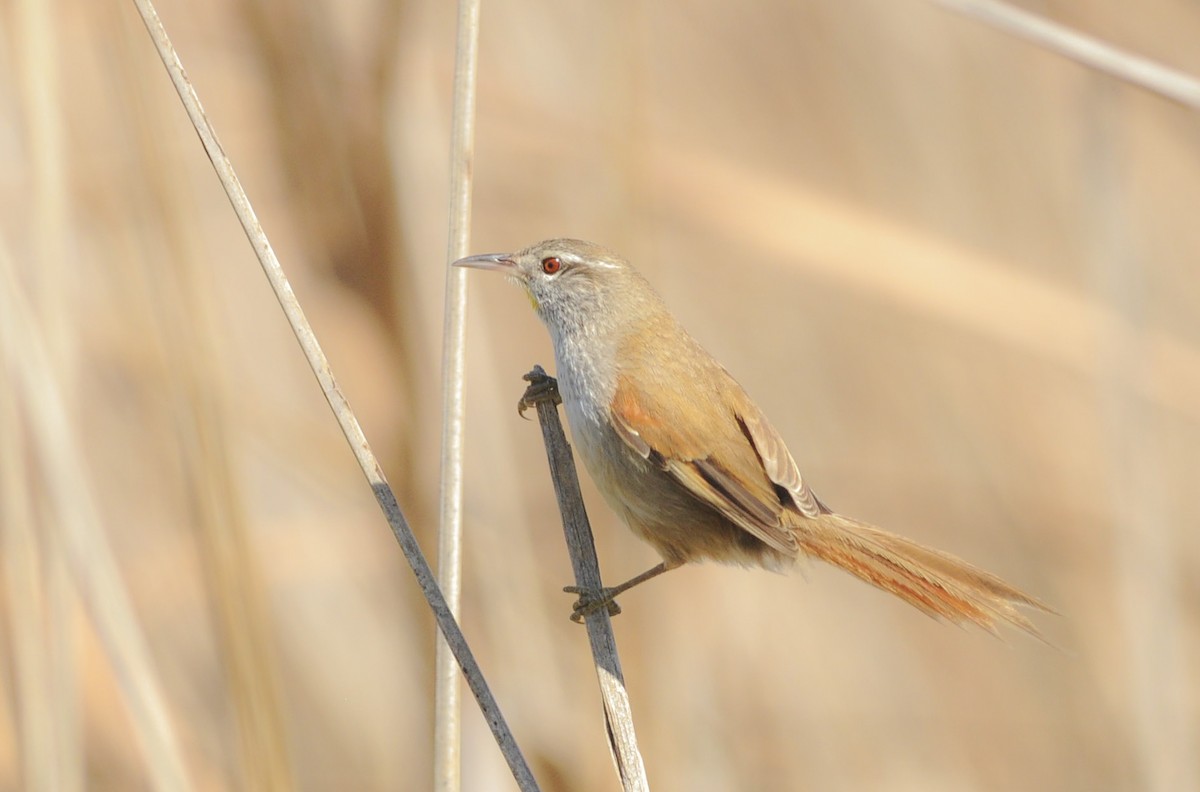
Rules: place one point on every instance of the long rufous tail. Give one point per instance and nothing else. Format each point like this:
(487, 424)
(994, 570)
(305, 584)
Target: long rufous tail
(938, 583)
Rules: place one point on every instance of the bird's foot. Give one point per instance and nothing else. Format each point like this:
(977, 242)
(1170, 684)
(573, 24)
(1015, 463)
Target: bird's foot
(542, 388)
(591, 600)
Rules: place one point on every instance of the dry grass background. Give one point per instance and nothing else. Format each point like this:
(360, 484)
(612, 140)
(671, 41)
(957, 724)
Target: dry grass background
(960, 273)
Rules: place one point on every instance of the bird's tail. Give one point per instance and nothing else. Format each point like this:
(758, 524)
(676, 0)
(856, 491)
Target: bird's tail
(938, 583)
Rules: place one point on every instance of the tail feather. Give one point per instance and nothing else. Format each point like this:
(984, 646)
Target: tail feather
(937, 583)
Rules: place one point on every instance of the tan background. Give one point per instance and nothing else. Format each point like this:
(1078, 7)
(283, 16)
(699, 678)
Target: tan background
(958, 272)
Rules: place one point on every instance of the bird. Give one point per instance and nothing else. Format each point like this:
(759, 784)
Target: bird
(691, 464)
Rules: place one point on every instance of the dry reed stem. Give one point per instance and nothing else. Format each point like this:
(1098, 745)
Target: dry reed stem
(81, 534)
(447, 736)
(38, 47)
(618, 715)
(1134, 69)
(346, 419)
(1148, 589)
(25, 591)
(182, 314)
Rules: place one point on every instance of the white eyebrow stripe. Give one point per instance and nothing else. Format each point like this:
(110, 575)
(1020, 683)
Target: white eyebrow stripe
(596, 263)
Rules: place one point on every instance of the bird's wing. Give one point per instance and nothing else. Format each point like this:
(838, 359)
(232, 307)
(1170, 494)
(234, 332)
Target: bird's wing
(777, 461)
(720, 465)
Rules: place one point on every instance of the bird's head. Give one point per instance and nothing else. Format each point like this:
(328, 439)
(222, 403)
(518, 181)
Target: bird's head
(570, 283)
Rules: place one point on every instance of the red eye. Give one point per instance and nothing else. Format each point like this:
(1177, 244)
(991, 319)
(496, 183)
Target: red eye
(551, 265)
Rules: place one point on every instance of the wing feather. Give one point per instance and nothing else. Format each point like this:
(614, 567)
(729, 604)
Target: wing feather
(752, 506)
(777, 462)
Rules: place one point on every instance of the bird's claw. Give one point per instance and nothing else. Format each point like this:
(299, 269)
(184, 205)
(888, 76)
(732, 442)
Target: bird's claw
(591, 601)
(542, 388)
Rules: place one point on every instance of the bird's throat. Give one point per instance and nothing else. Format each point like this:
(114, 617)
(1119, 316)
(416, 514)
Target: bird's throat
(533, 301)
(528, 292)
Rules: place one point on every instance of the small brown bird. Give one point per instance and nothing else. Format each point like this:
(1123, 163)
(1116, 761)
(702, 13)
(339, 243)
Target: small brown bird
(689, 461)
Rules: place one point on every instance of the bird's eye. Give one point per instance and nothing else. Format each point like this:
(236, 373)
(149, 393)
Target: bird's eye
(551, 265)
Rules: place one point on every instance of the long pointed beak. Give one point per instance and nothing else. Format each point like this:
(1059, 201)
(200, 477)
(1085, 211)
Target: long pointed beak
(501, 262)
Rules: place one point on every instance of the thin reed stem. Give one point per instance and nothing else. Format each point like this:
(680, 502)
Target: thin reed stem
(347, 421)
(1092, 52)
(618, 715)
(447, 725)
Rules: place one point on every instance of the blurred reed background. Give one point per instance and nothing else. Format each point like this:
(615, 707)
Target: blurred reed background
(958, 272)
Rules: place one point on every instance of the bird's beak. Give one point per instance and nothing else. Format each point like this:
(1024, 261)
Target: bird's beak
(500, 262)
